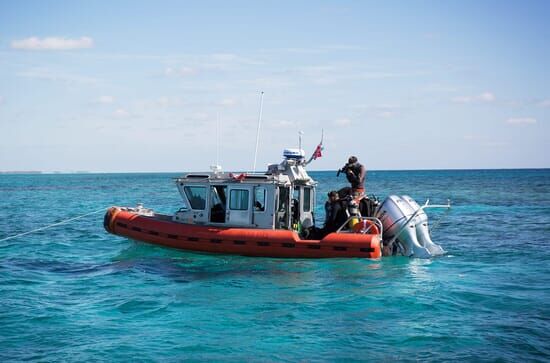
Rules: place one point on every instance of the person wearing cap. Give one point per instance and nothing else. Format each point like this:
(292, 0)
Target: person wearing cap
(356, 174)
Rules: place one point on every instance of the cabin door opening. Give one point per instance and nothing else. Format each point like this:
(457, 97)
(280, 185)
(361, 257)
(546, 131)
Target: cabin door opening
(282, 220)
(260, 217)
(218, 203)
(295, 208)
(307, 202)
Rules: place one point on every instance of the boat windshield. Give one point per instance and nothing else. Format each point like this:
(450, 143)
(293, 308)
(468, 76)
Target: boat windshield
(196, 196)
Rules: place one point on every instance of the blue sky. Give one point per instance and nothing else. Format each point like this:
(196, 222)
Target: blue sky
(137, 86)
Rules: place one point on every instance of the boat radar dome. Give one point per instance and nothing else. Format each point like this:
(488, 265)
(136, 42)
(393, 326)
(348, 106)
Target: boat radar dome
(216, 169)
(294, 154)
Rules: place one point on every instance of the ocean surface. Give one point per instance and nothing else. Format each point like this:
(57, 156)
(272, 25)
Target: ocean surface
(75, 293)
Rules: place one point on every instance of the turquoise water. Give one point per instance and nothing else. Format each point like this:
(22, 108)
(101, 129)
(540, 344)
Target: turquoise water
(76, 293)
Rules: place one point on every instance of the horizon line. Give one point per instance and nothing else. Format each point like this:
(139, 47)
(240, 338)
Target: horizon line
(47, 172)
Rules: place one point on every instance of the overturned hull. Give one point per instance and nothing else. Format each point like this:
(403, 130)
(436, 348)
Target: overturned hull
(161, 230)
(406, 228)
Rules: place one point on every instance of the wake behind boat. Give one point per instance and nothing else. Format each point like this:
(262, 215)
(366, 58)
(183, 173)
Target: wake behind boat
(271, 214)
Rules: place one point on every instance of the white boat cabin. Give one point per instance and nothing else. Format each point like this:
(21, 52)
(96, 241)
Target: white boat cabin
(281, 198)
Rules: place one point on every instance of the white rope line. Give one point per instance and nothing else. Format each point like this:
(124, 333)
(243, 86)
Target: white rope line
(52, 225)
(434, 227)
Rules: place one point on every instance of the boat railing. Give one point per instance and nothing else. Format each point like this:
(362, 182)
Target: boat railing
(375, 222)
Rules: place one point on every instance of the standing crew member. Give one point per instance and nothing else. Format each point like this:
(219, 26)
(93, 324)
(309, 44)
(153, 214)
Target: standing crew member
(356, 174)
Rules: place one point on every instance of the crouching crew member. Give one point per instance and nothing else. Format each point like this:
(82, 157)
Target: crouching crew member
(335, 212)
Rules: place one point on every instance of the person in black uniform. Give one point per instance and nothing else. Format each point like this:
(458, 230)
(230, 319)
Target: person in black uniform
(356, 174)
(335, 213)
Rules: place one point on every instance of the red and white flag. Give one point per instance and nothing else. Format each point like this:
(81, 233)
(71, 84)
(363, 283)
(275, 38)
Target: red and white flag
(318, 152)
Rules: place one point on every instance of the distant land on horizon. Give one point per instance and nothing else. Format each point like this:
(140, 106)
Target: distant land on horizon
(43, 172)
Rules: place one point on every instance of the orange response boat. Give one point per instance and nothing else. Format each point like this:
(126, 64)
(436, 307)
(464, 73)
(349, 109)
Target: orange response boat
(241, 241)
(272, 215)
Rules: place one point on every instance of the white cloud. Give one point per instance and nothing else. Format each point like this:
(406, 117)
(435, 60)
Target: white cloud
(382, 110)
(189, 65)
(482, 97)
(271, 82)
(323, 81)
(293, 50)
(521, 121)
(1, 100)
(314, 71)
(312, 50)
(283, 124)
(228, 102)
(437, 88)
(461, 99)
(480, 140)
(386, 114)
(166, 101)
(486, 97)
(122, 113)
(224, 57)
(58, 76)
(200, 116)
(179, 72)
(495, 144)
(234, 58)
(52, 43)
(545, 103)
(342, 122)
(106, 99)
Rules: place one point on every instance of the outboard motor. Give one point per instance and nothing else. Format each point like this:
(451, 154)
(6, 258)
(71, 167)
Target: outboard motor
(422, 229)
(411, 234)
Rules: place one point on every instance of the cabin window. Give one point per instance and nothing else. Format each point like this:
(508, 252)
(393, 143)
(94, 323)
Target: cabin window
(238, 199)
(259, 199)
(196, 196)
(307, 199)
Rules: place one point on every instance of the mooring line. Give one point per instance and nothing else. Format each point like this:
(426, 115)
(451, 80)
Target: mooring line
(438, 222)
(52, 225)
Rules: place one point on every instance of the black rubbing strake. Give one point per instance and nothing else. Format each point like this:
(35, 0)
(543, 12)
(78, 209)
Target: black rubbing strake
(366, 249)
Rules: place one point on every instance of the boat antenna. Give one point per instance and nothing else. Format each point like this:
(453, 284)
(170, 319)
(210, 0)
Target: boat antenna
(216, 169)
(218, 138)
(258, 131)
(300, 133)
